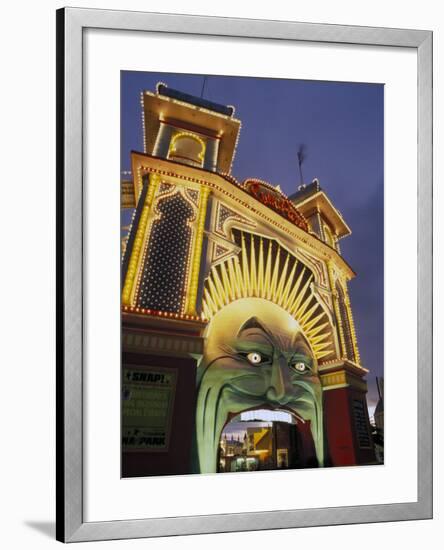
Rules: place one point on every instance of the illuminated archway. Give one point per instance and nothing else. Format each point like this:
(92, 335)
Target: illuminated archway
(187, 148)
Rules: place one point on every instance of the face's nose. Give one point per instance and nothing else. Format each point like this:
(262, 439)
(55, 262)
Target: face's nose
(280, 386)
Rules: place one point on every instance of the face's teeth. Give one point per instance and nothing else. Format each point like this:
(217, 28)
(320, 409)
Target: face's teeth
(264, 415)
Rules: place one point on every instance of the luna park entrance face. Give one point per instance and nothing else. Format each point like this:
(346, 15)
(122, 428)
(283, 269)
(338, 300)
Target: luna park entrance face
(266, 440)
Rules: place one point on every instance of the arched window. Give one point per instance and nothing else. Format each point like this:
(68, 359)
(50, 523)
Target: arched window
(187, 148)
(349, 350)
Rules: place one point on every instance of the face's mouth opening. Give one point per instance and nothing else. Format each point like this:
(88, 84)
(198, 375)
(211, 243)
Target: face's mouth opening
(266, 438)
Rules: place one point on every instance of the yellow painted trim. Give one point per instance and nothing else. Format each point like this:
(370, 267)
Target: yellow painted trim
(133, 266)
(335, 387)
(191, 297)
(334, 378)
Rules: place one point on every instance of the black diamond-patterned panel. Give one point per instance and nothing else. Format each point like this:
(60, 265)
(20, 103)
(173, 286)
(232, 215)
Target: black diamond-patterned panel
(164, 272)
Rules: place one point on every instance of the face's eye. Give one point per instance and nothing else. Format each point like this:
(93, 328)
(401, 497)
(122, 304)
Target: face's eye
(300, 367)
(254, 357)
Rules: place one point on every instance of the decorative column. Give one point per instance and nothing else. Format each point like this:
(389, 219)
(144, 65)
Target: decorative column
(138, 245)
(352, 328)
(163, 140)
(336, 308)
(211, 152)
(190, 306)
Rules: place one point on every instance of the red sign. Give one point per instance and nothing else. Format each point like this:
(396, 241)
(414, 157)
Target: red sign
(276, 201)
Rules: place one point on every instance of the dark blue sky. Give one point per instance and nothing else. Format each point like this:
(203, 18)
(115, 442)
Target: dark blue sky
(342, 127)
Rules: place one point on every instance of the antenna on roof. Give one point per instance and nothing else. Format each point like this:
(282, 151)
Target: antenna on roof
(301, 158)
(203, 86)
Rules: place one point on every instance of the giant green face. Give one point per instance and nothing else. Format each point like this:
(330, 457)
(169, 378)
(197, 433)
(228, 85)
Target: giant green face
(255, 357)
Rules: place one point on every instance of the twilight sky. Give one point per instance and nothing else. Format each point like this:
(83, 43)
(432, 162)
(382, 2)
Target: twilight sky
(341, 125)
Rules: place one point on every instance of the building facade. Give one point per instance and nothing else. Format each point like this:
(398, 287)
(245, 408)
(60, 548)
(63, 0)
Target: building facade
(201, 242)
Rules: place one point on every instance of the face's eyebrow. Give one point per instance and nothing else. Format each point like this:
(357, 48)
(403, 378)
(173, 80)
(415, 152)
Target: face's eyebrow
(300, 347)
(298, 356)
(299, 344)
(250, 345)
(254, 323)
(295, 342)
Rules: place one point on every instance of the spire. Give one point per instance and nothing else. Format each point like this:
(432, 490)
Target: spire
(301, 158)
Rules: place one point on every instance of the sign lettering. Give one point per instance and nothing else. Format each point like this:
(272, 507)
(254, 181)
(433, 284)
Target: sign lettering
(147, 405)
(277, 202)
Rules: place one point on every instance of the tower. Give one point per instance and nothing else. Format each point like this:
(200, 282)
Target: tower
(179, 129)
(343, 381)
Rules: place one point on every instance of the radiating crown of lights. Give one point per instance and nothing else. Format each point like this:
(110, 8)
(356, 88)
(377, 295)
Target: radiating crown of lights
(251, 274)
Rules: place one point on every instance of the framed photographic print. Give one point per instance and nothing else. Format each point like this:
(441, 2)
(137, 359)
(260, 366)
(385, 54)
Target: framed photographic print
(244, 274)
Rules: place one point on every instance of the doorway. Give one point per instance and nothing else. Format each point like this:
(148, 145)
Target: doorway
(265, 440)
